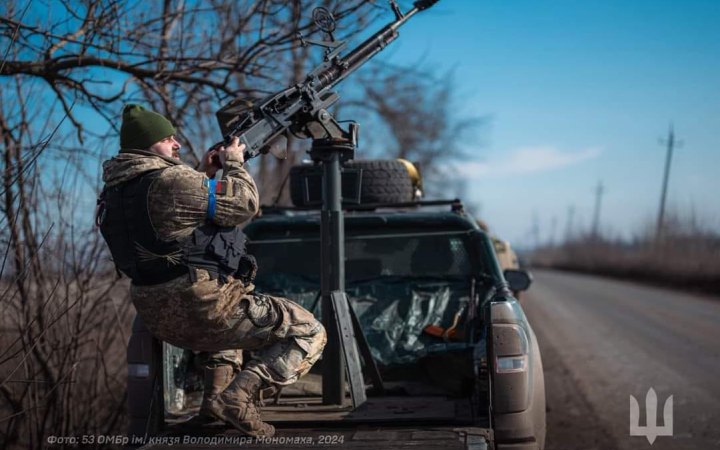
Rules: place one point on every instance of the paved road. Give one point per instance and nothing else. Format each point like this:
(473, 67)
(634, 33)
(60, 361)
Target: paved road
(603, 340)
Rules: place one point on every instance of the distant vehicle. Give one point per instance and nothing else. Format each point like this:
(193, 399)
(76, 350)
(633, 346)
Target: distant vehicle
(506, 255)
(455, 363)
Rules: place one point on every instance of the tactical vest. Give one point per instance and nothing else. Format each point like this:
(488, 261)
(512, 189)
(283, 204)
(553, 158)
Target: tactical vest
(138, 253)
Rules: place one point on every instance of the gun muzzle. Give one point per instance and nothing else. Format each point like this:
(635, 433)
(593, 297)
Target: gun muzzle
(424, 4)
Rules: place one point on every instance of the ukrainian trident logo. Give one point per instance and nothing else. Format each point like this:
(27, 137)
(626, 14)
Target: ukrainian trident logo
(652, 429)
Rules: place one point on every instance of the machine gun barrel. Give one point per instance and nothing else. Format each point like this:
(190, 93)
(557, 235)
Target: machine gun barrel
(369, 48)
(261, 127)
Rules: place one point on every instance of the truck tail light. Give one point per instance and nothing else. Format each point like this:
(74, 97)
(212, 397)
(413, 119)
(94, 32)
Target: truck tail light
(510, 342)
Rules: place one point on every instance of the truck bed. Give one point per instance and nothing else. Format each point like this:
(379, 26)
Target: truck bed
(392, 422)
(294, 410)
(361, 437)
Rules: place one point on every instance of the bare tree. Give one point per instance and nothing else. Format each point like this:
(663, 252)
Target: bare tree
(184, 59)
(415, 116)
(67, 68)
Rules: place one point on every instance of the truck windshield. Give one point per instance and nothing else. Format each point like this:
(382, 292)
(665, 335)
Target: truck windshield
(369, 256)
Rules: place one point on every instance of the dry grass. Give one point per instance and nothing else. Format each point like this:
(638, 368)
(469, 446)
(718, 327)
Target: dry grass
(686, 256)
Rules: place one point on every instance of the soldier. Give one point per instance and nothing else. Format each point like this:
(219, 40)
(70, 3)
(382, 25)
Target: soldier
(174, 231)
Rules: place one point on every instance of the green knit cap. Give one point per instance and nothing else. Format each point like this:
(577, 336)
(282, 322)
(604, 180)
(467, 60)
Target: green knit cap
(142, 128)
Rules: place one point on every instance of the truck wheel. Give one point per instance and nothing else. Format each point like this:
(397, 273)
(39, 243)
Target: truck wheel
(383, 181)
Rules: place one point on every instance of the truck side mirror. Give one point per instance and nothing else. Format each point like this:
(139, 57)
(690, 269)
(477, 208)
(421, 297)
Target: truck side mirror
(518, 280)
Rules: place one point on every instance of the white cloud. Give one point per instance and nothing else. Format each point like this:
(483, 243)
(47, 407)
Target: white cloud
(527, 160)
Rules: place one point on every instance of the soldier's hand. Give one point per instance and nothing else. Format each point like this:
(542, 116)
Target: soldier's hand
(233, 152)
(210, 163)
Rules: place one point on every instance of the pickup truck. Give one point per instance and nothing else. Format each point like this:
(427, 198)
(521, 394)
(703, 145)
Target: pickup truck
(456, 362)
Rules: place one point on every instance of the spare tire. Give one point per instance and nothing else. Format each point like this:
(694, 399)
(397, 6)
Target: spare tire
(382, 181)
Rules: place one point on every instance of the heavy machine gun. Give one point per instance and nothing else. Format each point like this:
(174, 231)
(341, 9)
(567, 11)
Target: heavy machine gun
(302, 109)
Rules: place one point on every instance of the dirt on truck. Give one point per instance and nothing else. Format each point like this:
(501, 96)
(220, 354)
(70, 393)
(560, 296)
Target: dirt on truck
(450, 359)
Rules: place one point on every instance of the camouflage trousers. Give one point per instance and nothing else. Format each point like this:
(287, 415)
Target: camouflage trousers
(283, 338)
(232, 358)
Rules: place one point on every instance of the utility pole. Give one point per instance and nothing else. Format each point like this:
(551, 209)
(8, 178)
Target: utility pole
(569, 225)
(599, 191)
(536, 230)
(671, 143)
(553, 229)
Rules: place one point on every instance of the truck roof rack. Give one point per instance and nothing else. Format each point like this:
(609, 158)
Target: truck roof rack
(456, 206)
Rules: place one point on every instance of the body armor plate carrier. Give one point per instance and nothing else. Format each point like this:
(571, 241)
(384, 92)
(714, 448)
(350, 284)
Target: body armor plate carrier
(137, 252)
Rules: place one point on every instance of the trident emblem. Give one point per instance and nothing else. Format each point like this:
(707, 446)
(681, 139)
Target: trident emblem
(651, 430)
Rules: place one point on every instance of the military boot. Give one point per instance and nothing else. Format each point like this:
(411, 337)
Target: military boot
(216, 379)
(238, 405)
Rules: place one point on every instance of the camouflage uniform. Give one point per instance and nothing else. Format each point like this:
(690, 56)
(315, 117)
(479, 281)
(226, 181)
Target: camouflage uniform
(207, 315)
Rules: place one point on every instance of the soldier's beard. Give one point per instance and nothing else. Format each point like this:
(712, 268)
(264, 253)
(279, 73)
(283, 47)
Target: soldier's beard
(176, 154)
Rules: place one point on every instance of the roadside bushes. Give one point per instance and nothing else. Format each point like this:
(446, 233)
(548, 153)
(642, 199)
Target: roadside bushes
(62, 355)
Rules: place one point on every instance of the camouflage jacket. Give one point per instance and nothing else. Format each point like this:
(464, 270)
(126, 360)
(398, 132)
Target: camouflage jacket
(178, 199)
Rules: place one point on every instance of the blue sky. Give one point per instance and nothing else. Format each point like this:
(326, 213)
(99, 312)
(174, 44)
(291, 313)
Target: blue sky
(578, 92)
